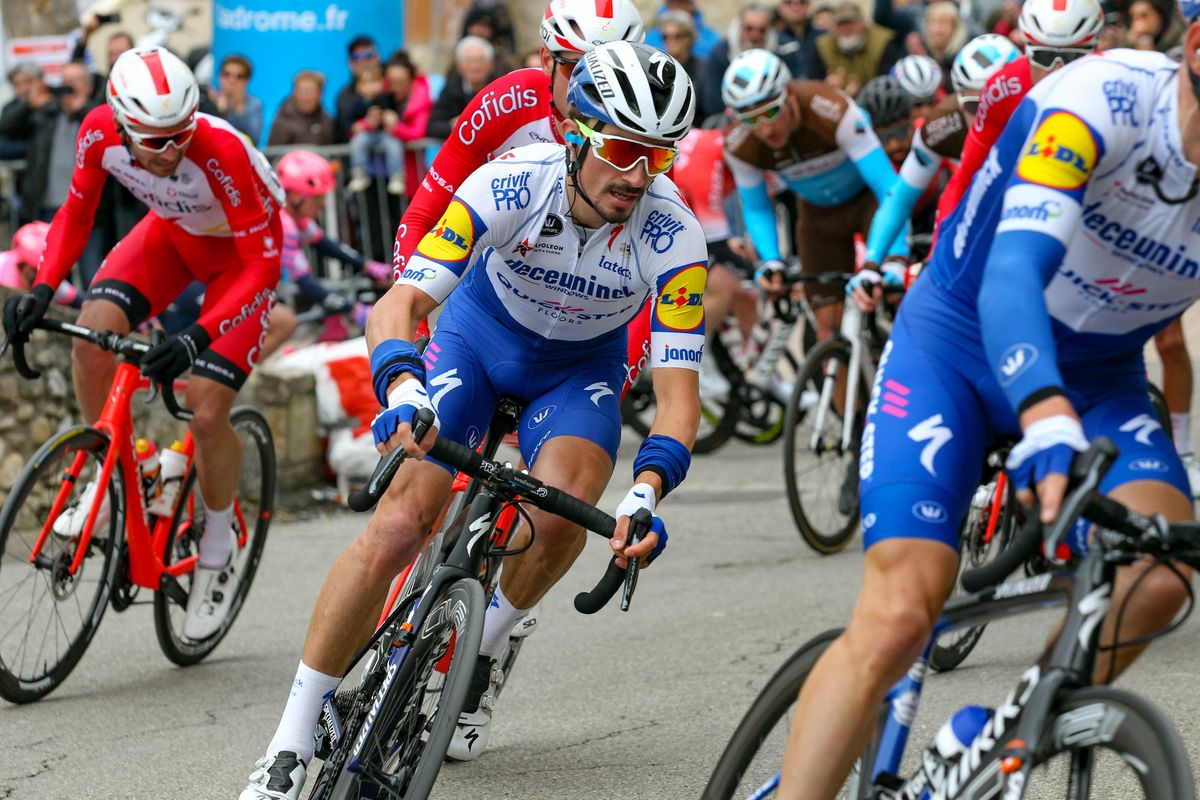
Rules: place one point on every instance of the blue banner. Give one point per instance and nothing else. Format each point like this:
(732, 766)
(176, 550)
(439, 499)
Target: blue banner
(283, 37)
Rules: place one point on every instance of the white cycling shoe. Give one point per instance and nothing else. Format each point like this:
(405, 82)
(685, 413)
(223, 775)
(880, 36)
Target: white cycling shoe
(70, 522)
(279, 777)
(211, 598)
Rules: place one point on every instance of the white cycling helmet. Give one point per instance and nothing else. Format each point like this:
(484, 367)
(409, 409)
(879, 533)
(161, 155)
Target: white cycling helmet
(636, 88)
(151, 86)
(920, 76)
(574, 27)
(754, 77)
(979, 59)
(1061, 23)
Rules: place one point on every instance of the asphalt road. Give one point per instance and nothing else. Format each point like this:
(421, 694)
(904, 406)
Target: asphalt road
(634, 705)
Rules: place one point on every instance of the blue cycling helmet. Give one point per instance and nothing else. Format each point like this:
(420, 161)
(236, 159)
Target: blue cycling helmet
(636, 88)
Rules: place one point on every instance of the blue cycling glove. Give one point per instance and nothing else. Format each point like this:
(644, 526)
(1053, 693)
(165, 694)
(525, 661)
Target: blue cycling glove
(403, 404)
(1047, 447)
(639, 497)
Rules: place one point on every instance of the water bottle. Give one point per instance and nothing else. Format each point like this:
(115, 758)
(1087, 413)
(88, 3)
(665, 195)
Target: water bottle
(952, 740)
(148, 468)
(173, 467)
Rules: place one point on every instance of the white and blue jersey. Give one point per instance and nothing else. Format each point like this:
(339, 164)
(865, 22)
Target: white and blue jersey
(541, 306)
(1076, 241)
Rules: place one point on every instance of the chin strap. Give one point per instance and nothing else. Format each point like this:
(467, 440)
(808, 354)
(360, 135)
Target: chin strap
(573, 164)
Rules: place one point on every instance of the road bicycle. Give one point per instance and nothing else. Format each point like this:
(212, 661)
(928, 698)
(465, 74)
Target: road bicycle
(386, 731)
(822, 437)
(54, 589)
(1055, 729)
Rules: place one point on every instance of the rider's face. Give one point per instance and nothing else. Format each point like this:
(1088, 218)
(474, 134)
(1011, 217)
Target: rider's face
(774, 133)
(160, 164)
(614, 192)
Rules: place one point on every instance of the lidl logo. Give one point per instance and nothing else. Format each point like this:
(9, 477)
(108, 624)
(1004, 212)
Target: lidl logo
(452, 238)
(1061, 154)
(680, 305)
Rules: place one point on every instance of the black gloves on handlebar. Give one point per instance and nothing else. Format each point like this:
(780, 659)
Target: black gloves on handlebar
(170, 359)
(23, 312)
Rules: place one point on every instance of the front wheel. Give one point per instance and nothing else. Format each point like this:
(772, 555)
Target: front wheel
(252, 506)
(48, 615)
(820, 474)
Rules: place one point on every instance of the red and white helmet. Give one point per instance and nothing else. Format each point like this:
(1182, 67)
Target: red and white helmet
(305, 173)
(29, 241)
(1061, 23)
(151, 86)
(574, 27)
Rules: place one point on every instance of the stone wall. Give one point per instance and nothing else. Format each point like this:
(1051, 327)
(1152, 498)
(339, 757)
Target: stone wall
(32, 411)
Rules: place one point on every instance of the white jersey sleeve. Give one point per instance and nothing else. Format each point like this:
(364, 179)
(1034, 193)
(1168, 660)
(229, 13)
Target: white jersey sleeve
(678, 268)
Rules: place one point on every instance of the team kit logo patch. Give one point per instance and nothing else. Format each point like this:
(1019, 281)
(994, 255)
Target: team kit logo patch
(1061, 154)
(680, 305)
(453, 237)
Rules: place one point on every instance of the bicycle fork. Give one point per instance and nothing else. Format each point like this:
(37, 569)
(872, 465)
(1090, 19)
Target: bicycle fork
(851, 332)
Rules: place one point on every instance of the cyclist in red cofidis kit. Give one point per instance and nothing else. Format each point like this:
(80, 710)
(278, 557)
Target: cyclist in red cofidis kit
(526, 106)
(214, 218)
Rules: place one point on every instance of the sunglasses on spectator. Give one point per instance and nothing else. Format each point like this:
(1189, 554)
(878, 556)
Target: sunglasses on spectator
(1049, 57)
(159, 142)
(624, 154)
(363, 55)
(754, 117)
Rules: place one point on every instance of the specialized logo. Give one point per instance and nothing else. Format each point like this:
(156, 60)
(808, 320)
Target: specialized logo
(1144, 424)
(659, 231)
(1044, 211)
(541, 416)
(612, 237)
(1061, 154)
(930, 511)
(553, 226)
(453, 237)
(511, 191)
(446, 382)
(1122, 102)
(937, 434)
(599, 390)
(680, 305)
(1015, 361)
(492, 105)
(479, 527)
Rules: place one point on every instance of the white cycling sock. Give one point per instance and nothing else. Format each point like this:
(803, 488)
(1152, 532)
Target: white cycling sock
(498, 624)
(303, 709)
(216, 545)
(1181, 431)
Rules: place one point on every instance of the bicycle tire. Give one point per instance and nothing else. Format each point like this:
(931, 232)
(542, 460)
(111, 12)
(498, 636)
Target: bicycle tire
(45, 470)
(255, 504)
(973, 552)
(1129, 726)
(777, 697)
(837, 535)
(717, 421)
(761, 418)
(400, 724)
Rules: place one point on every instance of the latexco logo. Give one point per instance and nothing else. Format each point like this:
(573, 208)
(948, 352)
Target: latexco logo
(240, 18)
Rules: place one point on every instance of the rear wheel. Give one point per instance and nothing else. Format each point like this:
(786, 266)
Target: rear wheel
(253, 506)
(821, 475)
(47, 614)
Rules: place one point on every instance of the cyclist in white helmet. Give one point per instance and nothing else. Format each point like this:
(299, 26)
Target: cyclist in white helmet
(214, 217)
(537, 287)
(921, 77)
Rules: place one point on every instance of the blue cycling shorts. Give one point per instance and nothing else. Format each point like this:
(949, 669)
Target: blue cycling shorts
(935, 409)
(473, 359)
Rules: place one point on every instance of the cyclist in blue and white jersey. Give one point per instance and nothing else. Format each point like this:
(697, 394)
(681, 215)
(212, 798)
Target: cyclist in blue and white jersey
(1075, 242)
(817, 140)
(549, 251)
(940, 138)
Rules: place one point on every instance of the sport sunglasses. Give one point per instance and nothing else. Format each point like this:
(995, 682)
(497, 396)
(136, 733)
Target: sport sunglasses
(159, 142)
(624, 154)
(1049, 57)
(755, 116)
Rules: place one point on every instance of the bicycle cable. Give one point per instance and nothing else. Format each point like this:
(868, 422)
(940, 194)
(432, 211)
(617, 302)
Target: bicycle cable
(1149, 637)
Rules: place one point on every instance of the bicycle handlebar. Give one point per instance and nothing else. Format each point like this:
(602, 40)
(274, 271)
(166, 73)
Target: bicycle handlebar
(131, 349)
(1128, 528)
(514, 483)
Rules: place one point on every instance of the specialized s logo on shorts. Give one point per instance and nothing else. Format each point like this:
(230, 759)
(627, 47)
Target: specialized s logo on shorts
(453, 237)
(680, 303)
(1061, 154)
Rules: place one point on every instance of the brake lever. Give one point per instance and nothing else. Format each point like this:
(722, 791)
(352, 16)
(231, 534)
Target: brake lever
(639, 523)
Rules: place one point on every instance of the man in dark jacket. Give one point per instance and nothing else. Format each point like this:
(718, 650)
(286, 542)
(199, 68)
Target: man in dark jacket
(797, 36)
(29, 87)
(301, 120)
(854, 52)
(474, 68)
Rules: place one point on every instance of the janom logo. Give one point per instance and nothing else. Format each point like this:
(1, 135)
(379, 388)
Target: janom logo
(1061, 153)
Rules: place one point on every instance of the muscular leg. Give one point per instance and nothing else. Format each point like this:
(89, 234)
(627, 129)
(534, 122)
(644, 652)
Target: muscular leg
(92, 369)
(905, 586)
(1177, 368)
(719, 295)
(218, 451)
(577, 466)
